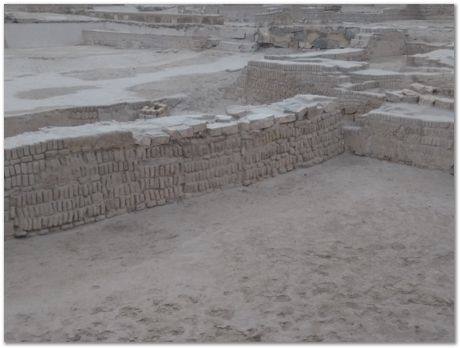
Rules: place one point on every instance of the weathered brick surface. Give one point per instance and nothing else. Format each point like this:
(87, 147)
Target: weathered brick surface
(150, 17)
(137, 40)
(58, 184)
(269, 81)
(79, 115)
(416, 142)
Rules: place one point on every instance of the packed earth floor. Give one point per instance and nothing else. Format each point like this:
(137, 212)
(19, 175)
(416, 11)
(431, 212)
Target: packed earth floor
(351, 250)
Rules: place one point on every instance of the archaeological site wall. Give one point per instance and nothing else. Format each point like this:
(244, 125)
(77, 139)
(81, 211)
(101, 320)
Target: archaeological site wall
(30, 35)
(297, 36)
(271, 80)
(416, 140)
(136, 40)
(94, 162)
(267, 81)
(395, 12)
(380, 42)
(56, 8)
(76, 116)
(54, 180)
(152, 17)
(401, 116)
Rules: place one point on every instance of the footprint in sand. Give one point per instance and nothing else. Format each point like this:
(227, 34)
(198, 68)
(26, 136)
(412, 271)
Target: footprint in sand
(168, 308)
(282, 298)
(129, 312)
(220, 313)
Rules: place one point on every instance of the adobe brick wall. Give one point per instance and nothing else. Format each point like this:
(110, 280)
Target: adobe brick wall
(155, 17)
(79, 115)
(58, 184)
(270, 81)
(426, 144)
(137, 40)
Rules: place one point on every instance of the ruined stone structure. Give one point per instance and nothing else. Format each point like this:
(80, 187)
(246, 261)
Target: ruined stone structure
(53, 181)
(162, 18)
(219, 173)
(392, 133)
(82, 115)
(296, 108)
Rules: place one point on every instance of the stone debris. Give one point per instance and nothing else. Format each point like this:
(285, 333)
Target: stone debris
(158, 109)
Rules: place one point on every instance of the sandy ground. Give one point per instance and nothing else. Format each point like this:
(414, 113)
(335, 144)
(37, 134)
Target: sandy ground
(354, 249)
(33, 76)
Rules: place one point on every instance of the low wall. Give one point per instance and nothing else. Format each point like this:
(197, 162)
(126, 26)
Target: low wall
(113, 33)
(416, 47)
(267, 81)
(135, 40)
(427, 143)
(427, 61)
(55, 182)
(383, 79)
(157, 17)
(429, 11)
(31, 35)
(355, 54)
(53, 8)
(355, 103)
(398, 12)
(76, 116)
(386, 43)
(304, 36)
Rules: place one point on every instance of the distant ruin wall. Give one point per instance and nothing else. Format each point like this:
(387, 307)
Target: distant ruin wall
(383, 43)
(416, 47)
(31, 35)
(59, 184)
(428, 11)
(414, 142)
(355, 103)
(388, 80)
(136, 40)
(152, 17)
(301, 36)
(54, 8)
(420, 60)
(266, 82)
(409, 12)
(75, 116)
(119, 34)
